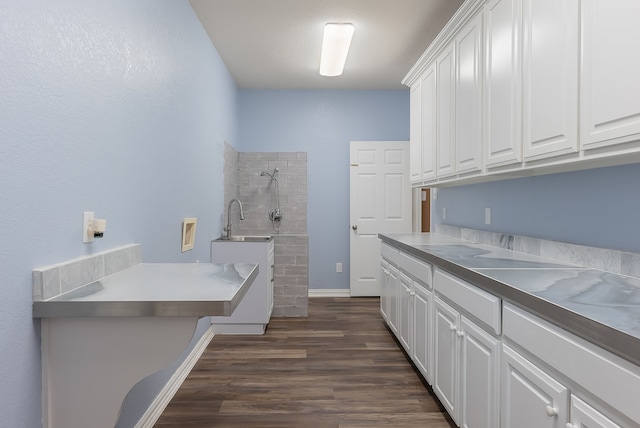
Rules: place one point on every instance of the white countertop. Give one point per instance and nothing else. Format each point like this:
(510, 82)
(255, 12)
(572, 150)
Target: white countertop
(157, 289)
(599, 306)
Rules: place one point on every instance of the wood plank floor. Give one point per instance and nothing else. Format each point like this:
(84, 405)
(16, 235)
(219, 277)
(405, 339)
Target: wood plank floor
(340, 367)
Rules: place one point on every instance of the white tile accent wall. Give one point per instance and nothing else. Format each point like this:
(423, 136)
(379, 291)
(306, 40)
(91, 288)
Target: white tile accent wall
(614, 261)
(54, 280)
(258, 196)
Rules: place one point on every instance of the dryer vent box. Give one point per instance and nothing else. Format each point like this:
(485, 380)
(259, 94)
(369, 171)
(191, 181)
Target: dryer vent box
(188, 233)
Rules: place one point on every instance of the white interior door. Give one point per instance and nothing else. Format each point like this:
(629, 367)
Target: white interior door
(380, 203)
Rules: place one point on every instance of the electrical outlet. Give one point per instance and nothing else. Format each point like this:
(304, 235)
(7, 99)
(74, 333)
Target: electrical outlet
(487, 216)
(87, 225)
(339, 267)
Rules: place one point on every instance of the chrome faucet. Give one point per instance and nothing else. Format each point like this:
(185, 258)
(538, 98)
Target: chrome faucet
(227, 228)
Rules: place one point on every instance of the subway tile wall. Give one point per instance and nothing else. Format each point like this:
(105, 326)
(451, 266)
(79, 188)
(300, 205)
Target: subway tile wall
(258, 193)
(52, 281)
(258, 196)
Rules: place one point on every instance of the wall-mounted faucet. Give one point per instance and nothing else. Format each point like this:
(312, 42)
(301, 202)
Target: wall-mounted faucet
(227, 228)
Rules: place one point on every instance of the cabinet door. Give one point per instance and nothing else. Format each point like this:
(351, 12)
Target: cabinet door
(429, 123)
(405, 313)
(422, 348)
(503, 139)
(550, 77)
(468, 90)
(445, 371)
(446, 112)
(384, 290)
(585, 416)
(530, 397)
(479, 371)
(415, 133)
(393, 299)
(610, 78)
(271, 264)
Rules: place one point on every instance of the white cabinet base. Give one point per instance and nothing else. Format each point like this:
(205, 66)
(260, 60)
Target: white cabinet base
(254, 312)
(90, 364)
(239, 328)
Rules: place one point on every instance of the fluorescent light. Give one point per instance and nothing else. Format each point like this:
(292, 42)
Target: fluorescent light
(335, 47)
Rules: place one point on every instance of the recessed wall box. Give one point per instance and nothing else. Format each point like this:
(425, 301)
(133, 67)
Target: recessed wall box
(188, 233)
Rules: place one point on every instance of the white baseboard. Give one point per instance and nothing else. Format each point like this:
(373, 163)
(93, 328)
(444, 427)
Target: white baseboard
(329, 292)
(163, 398)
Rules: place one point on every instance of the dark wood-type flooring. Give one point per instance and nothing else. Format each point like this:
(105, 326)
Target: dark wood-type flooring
(340, 367)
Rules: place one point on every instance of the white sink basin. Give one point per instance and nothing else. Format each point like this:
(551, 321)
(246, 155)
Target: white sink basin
(246, 238)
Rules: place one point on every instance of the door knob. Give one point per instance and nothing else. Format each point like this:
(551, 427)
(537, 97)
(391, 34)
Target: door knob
(354, 227)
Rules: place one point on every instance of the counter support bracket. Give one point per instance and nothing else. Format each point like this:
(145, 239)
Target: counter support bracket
(90, 364)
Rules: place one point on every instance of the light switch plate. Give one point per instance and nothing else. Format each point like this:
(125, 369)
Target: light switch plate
(487, 216)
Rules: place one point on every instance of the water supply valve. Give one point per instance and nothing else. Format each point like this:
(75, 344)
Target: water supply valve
(92, 227)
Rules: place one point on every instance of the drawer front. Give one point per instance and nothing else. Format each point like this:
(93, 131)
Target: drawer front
(417, 269)
(584, 363)
(389, 253)
(481, 305)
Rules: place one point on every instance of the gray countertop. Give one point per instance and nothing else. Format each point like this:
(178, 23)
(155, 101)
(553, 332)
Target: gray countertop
(157, 289)
(601, 307)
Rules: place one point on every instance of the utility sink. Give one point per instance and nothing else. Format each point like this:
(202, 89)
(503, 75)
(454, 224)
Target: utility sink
(246, 238)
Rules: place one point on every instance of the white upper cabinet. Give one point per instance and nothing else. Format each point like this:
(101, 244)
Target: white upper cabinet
(550, 77)
(429, 131)
(468, 117)
(503, 137)
(445, 69)
(539, 85)
(610, 78)
(415, 133)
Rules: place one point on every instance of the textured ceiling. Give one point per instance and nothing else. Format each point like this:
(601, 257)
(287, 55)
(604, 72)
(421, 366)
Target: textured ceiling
(275, 44)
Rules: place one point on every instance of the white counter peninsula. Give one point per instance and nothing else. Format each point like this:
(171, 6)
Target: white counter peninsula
(109, 321)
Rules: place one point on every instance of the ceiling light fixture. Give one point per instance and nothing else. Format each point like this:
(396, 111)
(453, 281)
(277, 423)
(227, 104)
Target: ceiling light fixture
(335, 47)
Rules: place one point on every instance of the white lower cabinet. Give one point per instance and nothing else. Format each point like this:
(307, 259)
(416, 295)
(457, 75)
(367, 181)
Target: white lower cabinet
(585, 416)
(530, 397)
(445, 383)
(479, 374)
(405, 313)
(406, 304)
(466, 371)
(392, 299)
(546, 364)
(254, 312)
(384, 289)
(495, 365)
(422, 343)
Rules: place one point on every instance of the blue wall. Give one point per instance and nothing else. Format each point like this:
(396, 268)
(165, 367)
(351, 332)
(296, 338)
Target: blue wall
(597, 207)
(119, 107)
(322, 123)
